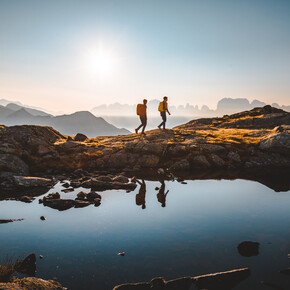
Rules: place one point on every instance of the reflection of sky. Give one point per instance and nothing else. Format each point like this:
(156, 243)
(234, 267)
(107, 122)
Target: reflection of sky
(196, 233)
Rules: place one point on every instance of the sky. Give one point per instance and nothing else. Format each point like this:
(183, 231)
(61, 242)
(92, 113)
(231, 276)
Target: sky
(73, 55)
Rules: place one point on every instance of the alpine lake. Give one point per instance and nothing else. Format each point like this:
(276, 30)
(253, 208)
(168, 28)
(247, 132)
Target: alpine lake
(188, 228)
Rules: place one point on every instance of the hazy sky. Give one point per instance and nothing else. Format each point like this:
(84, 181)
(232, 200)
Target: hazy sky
(73, 55)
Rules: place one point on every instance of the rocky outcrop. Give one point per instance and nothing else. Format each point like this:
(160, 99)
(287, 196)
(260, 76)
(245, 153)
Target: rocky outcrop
(215, 281)
(256, 138)
(31, 283)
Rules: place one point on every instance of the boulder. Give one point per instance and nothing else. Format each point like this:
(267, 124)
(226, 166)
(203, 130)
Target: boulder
(248, 249)
(26, 199)
(27, 265)
(92, 195)
(180, 165)
(81, 195)
(5, 273)
(81, 203)
(80, 137)
(28, 181)
(234, 156)
(32, 283)
(278, 142)
(217, 161)
(97, 201)
(200, 161)
(12, 163)
(5, 221)
(121, 178)
(149, 160)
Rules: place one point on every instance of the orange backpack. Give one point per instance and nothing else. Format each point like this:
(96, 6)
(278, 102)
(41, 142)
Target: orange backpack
(140, 109)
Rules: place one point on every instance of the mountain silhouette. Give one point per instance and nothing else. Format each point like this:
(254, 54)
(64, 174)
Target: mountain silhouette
(225, 106)
(34, 112)
(71, 124)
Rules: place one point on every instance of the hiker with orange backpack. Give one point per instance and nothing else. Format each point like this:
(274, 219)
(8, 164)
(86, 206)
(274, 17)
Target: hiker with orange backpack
(163, 108)
(142, 113)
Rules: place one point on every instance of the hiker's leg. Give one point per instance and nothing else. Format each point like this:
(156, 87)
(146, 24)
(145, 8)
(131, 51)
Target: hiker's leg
(161, 124)
(144, 123)
(164, 119)
(137, 129)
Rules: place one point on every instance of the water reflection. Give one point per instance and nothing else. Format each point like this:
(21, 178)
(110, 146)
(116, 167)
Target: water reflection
(161, 195)
(140, 197)
(196, 233)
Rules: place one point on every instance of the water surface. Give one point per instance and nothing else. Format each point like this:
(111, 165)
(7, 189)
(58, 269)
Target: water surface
(195, 231)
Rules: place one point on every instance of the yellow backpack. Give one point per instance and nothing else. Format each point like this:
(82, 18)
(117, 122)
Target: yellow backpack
(160, 107)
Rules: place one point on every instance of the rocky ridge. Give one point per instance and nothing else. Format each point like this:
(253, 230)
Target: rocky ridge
(256, 138)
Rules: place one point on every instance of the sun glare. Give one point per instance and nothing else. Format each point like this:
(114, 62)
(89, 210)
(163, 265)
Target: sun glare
(101, 63)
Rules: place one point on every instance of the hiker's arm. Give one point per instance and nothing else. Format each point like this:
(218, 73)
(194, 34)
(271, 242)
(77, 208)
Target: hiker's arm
(168, 112)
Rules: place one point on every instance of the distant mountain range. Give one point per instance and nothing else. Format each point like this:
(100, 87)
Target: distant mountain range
(78, 122)
(105, 119)
(224, 106)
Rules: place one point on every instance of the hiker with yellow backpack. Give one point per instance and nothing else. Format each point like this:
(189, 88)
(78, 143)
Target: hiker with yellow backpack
(163, 108)
(142, 113)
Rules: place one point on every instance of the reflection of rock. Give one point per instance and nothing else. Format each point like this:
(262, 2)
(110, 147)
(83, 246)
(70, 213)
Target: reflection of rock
(32, 283)
(27, 265)
(248, 249)
(217, 281)
(102, 185)
(285, 271)
(272, 285)
(59, 204)
(223, 280)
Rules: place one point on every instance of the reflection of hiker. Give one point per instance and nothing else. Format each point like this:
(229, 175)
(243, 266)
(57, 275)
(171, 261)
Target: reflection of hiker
(141, 111)
(161, 196)
(140, 197)
(163, 108)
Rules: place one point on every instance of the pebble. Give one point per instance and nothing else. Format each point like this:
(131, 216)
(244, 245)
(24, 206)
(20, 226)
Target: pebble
(43, 218)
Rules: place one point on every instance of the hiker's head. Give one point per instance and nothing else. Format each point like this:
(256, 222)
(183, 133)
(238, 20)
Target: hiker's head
(165, 98)
(144, 101)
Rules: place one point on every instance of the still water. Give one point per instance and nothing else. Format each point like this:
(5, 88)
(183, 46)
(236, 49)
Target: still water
(194, 229)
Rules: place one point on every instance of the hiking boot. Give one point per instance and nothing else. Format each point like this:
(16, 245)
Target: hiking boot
(136, 131)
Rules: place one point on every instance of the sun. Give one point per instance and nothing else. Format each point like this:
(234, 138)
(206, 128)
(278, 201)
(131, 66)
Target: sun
(101, 63)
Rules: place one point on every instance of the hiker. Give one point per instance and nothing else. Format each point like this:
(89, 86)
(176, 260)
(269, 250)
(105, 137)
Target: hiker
(161, 196)
(140, 197)
(142, 113)
(163, 108)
